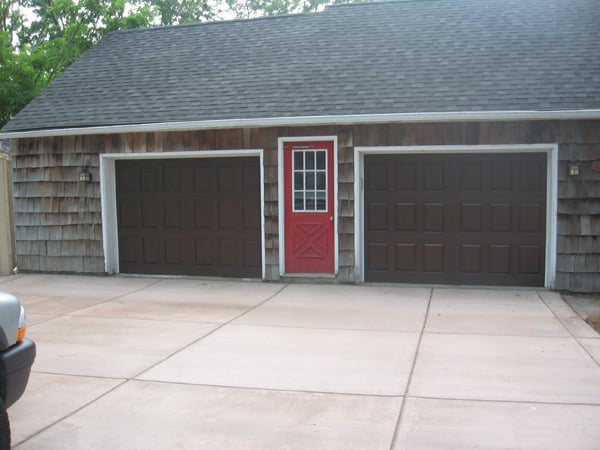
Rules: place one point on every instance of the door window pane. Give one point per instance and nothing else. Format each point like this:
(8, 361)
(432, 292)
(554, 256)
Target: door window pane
(299, 201)
(321, 180)
(298, 161)
(310, 201)
(309, 180)
(321, 201)
(321, 160)
(298, 181)
(310, 160)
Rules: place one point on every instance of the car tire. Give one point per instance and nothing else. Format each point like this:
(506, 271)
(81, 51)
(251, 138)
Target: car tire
(4, 428)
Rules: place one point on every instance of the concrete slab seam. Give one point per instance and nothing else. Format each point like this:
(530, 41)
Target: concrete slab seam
(410, 375)
(567, 328)
(275, 294)
(117, 297)
(264, 389)
(516, 402)
(75, 411)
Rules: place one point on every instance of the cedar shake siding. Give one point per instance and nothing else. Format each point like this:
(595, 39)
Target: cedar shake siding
(59, 224)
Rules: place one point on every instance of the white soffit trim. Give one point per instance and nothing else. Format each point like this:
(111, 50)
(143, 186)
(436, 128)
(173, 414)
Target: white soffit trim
(311, 120)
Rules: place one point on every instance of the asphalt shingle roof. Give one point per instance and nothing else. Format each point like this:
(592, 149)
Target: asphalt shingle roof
(394, 57)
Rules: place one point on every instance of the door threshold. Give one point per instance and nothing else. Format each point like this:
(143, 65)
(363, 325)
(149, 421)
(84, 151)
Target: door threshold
(308, 275)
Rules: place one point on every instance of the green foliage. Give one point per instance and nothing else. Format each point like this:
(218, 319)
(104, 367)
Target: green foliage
(17, 79)
(173, 12)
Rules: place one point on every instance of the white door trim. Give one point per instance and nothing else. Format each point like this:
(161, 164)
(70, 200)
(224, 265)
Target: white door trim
(108, 195)
(281, 196)
(551, 151)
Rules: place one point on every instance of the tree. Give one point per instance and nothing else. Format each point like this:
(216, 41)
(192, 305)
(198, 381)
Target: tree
(244, 9)
(16, 73)
(173, 12)
(258, 8)
(17, 79)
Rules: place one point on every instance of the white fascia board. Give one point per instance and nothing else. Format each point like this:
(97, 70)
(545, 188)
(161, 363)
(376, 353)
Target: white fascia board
(311, 120)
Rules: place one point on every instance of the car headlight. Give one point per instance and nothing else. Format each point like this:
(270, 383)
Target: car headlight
(22, 325)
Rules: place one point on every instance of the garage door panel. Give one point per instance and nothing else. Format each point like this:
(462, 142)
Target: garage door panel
(406, 217)
(150, 179)
(471, 176)
(204, 252)
(174, 251)
(252, 254)
(377, 214)
(197, 217)
(151, 250)
(202, 214)
(404, 177)
(500, 217)
(377, 177)
(434, 177)
(406, 257)
(530, 259)
(470, 258)
(532, 176)
(500, 259)
(434, 258)
(228, 213)
(173, 213)
(471, 216)
(250, 182)
(531, 218)
(225, 179)
(128, 214)
(128, 180)
(377, 256)
(172, 179)
(433, 217)
(128, 247)
(251, 216)
(228, 252)
(150, 214)
(501, 178)
(469, 222)
(201, 180)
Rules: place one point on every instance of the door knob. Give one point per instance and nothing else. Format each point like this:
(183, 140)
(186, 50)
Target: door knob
(331, 218)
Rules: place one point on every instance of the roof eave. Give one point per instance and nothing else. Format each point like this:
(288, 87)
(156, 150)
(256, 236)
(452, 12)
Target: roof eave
(355, 119)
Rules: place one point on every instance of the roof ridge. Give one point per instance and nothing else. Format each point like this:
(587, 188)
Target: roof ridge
(372, 3)
(214, 22)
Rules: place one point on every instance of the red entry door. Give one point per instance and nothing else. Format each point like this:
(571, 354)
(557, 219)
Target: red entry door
(309, 207)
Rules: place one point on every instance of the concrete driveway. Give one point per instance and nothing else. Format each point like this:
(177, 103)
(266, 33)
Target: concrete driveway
(151, 363)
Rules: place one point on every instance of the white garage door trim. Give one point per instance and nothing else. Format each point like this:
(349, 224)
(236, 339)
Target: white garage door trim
(108, 196)
(551, 151)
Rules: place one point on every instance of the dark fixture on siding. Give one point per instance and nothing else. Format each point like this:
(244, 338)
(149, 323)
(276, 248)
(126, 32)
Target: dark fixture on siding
(573, 169)
(85, 176)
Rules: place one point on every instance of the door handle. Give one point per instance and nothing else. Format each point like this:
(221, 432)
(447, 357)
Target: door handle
(331, 218)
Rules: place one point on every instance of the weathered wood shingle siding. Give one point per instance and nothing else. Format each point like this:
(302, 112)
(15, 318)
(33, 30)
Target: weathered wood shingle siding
(58, 218)
(578, 261)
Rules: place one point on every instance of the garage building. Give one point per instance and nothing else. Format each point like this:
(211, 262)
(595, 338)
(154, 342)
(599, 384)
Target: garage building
(446, 142)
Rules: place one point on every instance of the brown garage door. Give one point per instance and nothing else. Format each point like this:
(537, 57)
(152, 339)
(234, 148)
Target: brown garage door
(455, 219)
(189, 216)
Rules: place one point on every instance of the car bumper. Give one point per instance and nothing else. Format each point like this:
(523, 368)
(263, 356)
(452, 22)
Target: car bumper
(15, 366)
